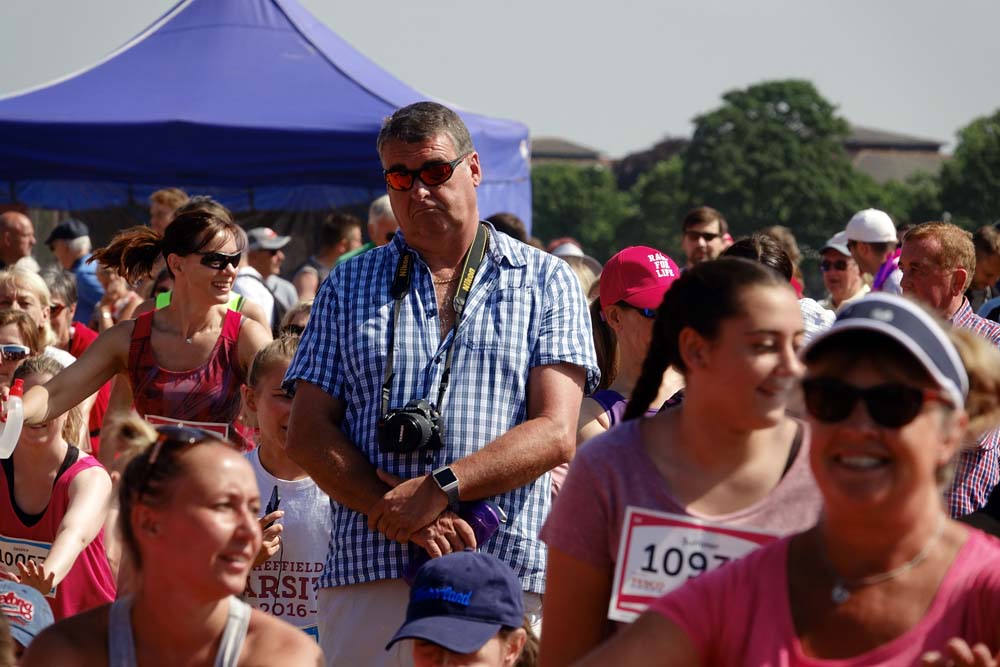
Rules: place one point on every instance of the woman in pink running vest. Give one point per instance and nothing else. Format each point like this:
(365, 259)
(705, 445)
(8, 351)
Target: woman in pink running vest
(53, 500)
(884, 577)
(185, 363)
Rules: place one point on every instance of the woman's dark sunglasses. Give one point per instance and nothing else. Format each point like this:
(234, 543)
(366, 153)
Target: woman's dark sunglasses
(172, 436)
(219, 260)
(432, 173)
(839, 265)
(891, 405)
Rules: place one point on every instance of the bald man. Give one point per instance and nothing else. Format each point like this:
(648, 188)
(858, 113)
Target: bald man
(17, 238)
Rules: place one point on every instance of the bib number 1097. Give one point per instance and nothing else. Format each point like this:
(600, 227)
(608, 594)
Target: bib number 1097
(659, 551)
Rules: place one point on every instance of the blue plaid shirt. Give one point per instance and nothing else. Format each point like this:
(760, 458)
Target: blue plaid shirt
(526, 309)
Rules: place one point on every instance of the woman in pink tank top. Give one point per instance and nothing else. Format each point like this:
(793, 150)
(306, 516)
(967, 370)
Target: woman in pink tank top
(53, 501)
(884, 577)
(186, 362)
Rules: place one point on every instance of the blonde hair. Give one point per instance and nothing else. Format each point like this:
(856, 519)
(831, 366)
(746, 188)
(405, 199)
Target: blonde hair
(982, 364)
(956, 250)
(131, 436)
(172, 197)
(36, 366)
(29, 280)
(277, 351)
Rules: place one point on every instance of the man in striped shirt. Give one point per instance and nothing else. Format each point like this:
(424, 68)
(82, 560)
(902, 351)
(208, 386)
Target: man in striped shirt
(938, 261)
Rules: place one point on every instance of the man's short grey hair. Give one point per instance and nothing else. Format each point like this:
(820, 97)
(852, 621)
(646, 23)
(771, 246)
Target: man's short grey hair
(79, 246)
(422, 121)
(380, 208)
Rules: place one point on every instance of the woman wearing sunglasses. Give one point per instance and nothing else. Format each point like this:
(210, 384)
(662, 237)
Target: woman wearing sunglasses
(19, 340)
(725, 460)
(884, 577)
(53, 501)
(187, 361)
(189, 507)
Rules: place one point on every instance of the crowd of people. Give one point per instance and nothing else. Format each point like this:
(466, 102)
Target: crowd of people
(453, 444)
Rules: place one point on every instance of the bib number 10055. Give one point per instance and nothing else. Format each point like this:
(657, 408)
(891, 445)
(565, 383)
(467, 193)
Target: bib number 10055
(659, 551)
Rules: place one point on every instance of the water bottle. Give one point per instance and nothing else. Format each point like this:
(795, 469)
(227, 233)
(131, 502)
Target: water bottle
(483, 516)
(10, 431)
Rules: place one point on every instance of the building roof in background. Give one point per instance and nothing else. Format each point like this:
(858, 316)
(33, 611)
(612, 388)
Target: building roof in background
(867, 137)
(897, 165)
(557, 149)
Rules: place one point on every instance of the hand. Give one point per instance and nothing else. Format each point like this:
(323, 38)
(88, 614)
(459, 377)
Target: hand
(446, 534)
(958, 654)
(33, 574)
(407, 507)
(271, 541)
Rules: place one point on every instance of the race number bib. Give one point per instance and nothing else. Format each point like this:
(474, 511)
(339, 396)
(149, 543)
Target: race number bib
(212, 427)
(659, 551)
(14, 551)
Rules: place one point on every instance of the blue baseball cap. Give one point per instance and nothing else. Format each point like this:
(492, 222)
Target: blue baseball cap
(26, 611)
(460, 601)
(911, 326)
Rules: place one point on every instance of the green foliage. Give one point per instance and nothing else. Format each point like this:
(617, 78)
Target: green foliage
(970, 181)
(916, 200)
(773, 154)
(582, 202)
(661, 204)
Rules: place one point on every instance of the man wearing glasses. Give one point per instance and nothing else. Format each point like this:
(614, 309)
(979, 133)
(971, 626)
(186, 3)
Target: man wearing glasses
(441, 369)
(938, 261)
(705, 235)
(841, 274)
(871, 238)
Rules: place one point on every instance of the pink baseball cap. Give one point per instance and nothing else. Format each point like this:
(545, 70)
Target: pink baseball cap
(639, 276)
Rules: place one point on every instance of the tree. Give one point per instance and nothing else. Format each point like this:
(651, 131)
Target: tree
(773, 154)
(660, 203)
(582, 202)
(970, 181)
(915, 200)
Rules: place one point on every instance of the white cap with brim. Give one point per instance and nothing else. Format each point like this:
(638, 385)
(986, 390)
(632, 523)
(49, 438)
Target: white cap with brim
(871, 226)
(912, 327)
(837, 242)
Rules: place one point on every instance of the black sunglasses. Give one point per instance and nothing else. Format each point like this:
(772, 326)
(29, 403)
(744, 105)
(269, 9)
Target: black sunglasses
(707, 237)
(175, 437)
(12, 352)
(648, 313)
(220, 260)
(839, 265)
(432, 173)
(891, 405)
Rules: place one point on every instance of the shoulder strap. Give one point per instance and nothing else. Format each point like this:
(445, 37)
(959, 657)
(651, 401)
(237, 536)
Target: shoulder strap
(234, 634)
(163, 299)
(231, 325)
(236, 302)
(141, 331)
(121, 645)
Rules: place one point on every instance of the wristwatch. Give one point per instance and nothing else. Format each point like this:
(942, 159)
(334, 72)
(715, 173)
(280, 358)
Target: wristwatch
(448, 482)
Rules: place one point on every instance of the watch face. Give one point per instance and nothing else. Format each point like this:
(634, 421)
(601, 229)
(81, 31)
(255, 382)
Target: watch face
(444, 477)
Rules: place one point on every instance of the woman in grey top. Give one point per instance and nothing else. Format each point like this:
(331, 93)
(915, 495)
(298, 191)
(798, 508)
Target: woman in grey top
(189, 522)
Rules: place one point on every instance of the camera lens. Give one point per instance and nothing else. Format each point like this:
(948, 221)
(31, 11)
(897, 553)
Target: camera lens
(409, 432)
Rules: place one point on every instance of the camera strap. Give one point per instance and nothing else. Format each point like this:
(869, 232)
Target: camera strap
(401, 287)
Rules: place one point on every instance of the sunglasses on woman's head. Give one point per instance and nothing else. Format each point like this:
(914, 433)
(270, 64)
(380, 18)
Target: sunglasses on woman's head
(171, 436)
(220, 260)
(891, 405)
(432, 173)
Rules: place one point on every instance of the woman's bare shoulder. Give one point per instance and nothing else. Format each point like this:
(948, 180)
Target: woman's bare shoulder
(78, 641)
(271, 641)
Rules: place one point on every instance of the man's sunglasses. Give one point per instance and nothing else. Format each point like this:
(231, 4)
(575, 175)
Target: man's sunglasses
(13, 352)
(648, 313)
(220, 260)
(431, 174)
(891, 405)
(707, 237)
(177, 437)
(839, 265)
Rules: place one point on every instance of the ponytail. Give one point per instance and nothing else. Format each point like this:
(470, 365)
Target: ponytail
(132, 253)
(605, 345)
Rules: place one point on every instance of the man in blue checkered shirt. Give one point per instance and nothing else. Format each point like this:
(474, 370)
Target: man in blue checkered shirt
(938, 261)
(522, 359)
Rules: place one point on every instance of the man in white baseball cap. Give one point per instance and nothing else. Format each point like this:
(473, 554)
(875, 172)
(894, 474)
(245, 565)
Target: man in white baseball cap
(871, 238)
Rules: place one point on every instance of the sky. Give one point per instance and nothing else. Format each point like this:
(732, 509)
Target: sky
(616, 76)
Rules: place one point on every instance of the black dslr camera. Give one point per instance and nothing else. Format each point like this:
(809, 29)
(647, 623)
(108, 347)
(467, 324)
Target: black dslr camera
(415, 426)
